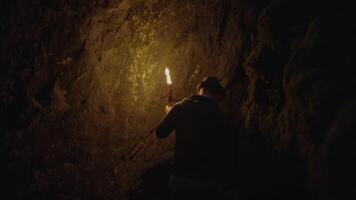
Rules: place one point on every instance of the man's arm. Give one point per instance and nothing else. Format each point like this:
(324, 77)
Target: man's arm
(168, 124)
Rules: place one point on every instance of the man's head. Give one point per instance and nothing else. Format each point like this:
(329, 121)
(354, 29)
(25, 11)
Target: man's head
(210, 86)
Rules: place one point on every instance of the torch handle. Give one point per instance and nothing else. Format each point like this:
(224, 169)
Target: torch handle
(170, 91)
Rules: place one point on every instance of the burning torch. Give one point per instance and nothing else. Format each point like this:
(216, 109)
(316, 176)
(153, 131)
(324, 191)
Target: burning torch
(169, 83)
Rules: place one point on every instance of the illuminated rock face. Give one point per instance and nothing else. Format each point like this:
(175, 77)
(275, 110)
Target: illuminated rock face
(83, 84)
(92, 87)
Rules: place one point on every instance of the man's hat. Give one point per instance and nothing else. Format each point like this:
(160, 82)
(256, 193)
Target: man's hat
(212, 84)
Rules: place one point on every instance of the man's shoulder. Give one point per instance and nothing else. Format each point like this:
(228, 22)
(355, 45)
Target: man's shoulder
(182, 104)
(189, 101)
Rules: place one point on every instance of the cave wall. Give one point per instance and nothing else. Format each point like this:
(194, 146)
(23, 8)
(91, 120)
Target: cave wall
(299, 71)
(82, 87)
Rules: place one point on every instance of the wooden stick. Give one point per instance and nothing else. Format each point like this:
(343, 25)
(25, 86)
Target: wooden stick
(170, 91)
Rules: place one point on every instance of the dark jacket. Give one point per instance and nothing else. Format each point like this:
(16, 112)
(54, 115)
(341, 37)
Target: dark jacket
(203, 138)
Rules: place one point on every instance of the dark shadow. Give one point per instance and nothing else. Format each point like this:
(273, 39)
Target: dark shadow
(154, 183)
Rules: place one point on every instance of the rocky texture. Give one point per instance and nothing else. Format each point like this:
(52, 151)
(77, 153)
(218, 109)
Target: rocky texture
(300, 87)
(82, 86)
(300, 74)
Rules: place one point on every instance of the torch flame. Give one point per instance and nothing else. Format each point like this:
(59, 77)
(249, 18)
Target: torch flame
(168, 76)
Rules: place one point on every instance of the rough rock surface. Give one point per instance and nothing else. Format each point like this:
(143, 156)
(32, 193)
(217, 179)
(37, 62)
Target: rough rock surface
(82, 87)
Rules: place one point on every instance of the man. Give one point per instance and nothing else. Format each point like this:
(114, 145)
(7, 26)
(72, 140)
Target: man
(204, 141)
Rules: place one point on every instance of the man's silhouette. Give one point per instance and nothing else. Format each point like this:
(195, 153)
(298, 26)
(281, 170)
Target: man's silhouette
(204, 141)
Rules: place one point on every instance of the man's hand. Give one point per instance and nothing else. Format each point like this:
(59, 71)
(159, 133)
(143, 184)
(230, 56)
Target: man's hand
(168, 108)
